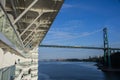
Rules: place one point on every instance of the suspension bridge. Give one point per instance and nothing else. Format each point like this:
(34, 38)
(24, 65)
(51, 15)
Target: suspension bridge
(106, 45)
(107, 50)
(77, 47)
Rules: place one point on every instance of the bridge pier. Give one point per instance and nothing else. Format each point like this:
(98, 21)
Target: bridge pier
(107, 50)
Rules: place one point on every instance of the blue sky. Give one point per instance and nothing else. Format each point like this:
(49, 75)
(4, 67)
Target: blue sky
(80, 22)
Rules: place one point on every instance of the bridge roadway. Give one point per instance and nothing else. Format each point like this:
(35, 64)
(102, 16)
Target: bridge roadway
(77, 47)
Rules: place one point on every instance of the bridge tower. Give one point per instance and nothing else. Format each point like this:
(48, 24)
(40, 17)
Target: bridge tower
(107, 59)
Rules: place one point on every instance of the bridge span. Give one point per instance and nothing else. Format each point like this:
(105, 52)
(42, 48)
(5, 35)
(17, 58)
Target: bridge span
(77, 47)
(107, 50)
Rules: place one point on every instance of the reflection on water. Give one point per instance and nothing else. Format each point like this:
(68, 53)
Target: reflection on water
(73, 71)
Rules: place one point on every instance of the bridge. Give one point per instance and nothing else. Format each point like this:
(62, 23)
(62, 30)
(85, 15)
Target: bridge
(107, 50)
(106, 45)
(77, 47)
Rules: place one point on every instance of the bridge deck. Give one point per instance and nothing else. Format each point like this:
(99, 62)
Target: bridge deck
(77, 47)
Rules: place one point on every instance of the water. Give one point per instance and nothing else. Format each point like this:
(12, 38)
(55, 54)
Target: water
(73, 71)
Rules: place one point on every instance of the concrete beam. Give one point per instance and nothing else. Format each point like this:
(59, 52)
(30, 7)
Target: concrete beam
(32, 31)
(31, 24)
(25, 11)
(33, 9)
(36, 22)
(38, 10)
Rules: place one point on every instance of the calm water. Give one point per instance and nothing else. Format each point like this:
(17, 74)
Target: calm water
(73, 71)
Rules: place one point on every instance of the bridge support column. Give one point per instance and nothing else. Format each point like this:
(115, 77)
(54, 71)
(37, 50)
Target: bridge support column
(106, 49)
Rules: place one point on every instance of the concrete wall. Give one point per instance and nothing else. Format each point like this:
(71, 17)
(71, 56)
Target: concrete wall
(8, 59)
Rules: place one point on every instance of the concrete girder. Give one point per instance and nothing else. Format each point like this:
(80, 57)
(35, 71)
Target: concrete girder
(31, 24)
(32, 37)
(25, 11)
(33, 9)
(38, 39)
(36, 22)
(32, 31)
(38, 10)
(50, 11)
(41, 27)
(13, 26)
(29, 41)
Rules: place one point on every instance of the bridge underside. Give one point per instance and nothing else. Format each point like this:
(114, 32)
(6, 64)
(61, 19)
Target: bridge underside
(23, 25)
(30, 19)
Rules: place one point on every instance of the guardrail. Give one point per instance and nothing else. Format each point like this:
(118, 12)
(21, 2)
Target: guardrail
(7, 73)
